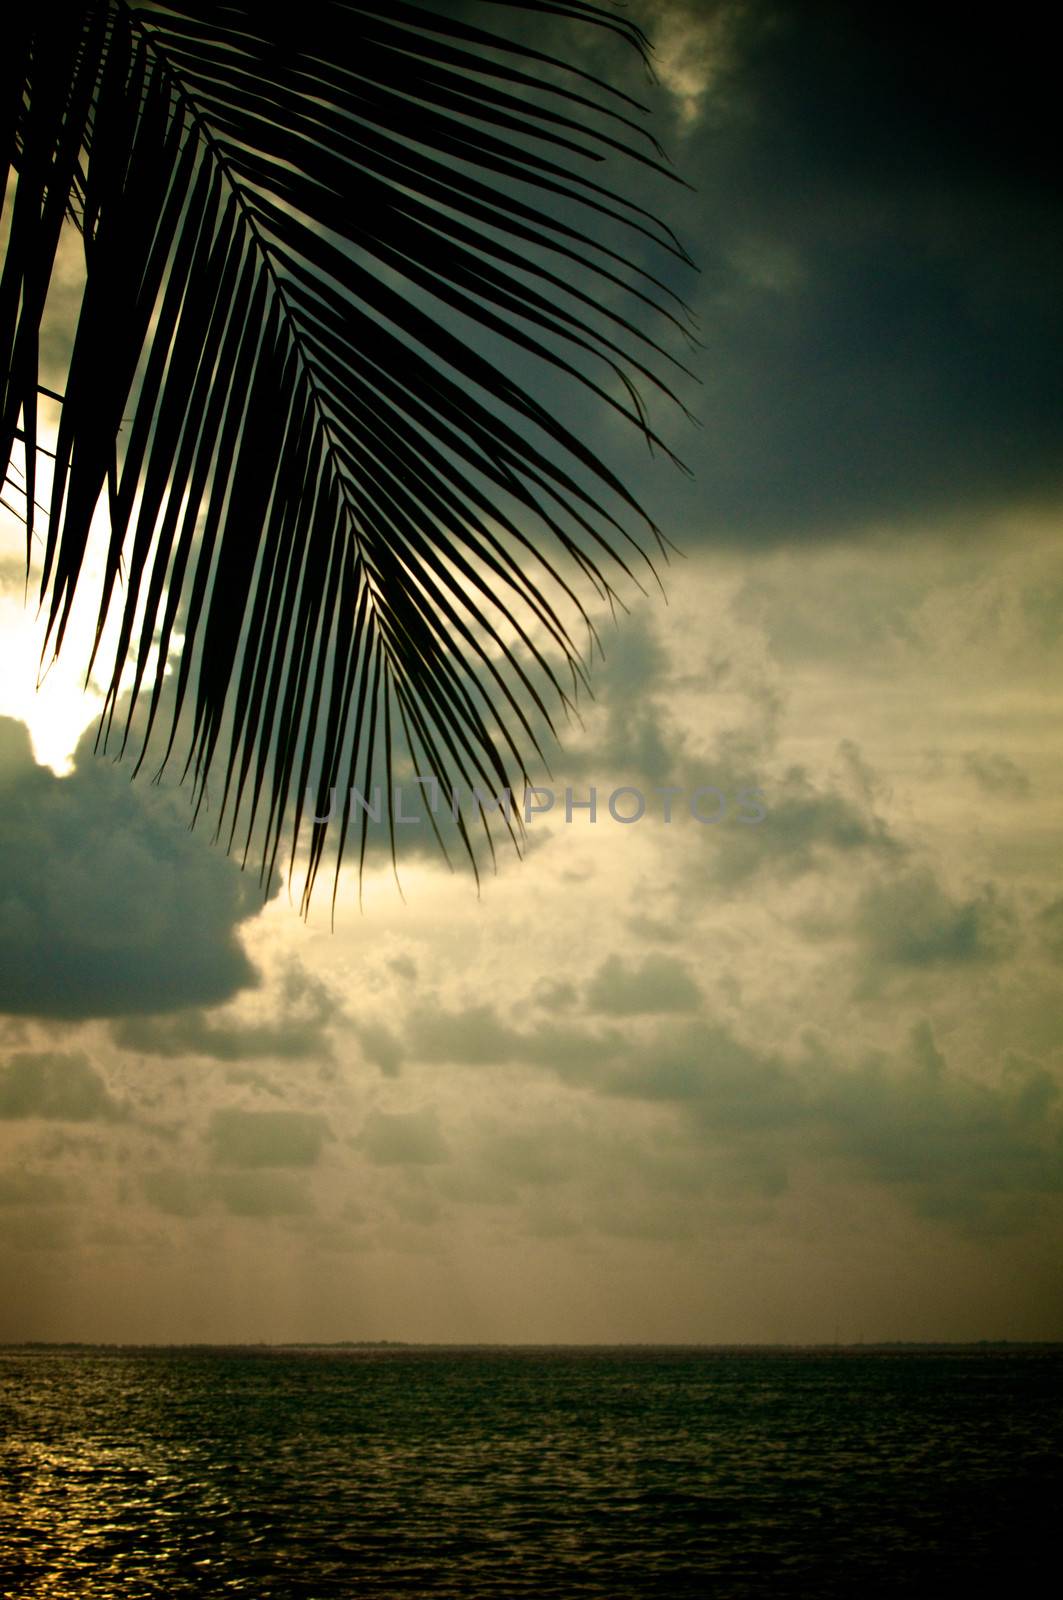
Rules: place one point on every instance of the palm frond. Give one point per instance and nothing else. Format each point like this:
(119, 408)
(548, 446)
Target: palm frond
(318, 255)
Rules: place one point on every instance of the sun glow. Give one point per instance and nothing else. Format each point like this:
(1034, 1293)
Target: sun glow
(52, 694)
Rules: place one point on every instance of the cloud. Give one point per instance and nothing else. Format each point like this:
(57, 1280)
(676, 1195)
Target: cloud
(267, 1138)
(793, 600)
(263, 1195)
(976, 1153)
(193, 1033)
(247, 1192)
(696, 1063)
(380, 1046)
(555, 994)
(25, 1188)
(882, 233)
(474, 1036)
(692, 51)
(40, 1228)
(411, 1138)
(722, 1083)
(478, 1036)
(173, 1191)
(12, 574)
(16, 752)
(108, 905)
(540, 1156)
(719, 1114)
(911, 921)
(806, 829)
(57, 1087)
(997, 774)
(307, 1008)
(658, 983)
(1050, 926)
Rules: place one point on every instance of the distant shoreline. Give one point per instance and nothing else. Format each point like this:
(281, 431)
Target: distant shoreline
(864, 1347)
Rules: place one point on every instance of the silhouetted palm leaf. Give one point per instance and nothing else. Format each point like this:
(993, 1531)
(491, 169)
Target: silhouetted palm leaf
(323, 483)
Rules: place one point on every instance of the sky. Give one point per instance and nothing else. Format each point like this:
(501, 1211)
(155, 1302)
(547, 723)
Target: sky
(792, 1075)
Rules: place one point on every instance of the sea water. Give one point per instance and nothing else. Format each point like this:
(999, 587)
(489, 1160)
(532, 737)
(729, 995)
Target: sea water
(506, 1472)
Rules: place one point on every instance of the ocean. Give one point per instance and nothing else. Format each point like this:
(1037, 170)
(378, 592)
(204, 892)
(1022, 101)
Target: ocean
(478, 1473)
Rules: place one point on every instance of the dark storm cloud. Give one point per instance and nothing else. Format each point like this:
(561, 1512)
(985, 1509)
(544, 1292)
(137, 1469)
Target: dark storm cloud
(110, 906)
(878, 217)
(881, 224)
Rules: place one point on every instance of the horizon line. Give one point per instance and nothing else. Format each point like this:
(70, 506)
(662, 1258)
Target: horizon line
(514, 1344)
